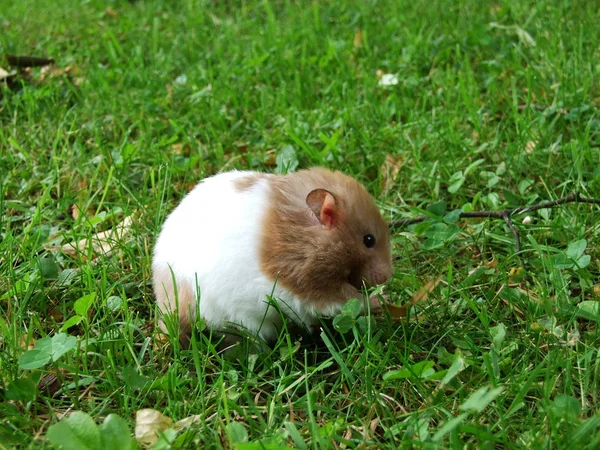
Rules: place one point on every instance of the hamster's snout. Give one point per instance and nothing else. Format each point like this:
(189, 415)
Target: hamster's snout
(378, 274)
(380, 278)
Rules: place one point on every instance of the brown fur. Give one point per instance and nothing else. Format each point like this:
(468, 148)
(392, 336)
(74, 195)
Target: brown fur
(316, 263)
(170, 301)
(246, 183)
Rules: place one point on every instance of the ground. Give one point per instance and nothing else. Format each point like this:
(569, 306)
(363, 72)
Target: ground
(435, 106)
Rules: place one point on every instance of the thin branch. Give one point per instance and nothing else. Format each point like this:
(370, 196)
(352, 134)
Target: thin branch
(514, 230)
(506, 214)
(28, 61)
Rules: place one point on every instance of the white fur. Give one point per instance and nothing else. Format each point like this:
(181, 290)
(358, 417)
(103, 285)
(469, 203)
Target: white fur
(211, 240)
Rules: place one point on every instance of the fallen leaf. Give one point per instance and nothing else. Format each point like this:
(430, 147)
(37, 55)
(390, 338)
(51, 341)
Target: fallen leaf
(75, 211)
(50, 71)
(215, 20)
(181, 148)
(187, 422)
(389, 170)
(270, 158)
(110, 12)
(373, 425)
(5, 75)
(358, 39)
(26, 343)
(348, 434)
(242, 146)
(78, 81)
(103, 243)
(492, 264)
(49, 383)
(396, 312)
(530, 147)
(161, 340)
(573, 337)
(71, 72)
(148, 424)
(388, 79)
(181, 80)
(56, 314)
(423, 293)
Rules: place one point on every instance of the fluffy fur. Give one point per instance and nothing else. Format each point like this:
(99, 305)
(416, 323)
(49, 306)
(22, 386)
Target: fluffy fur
(210, 244)
(239, 236)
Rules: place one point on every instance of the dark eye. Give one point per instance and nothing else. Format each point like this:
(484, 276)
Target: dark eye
(369, 240)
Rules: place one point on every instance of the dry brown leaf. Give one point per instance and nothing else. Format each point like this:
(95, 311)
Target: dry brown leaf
(396, 312)
(78, 81)
(26, 343)
(56, 314)
(400, 311)
(358, 39)
(181, 148)
(71, 72)
(75, 211)
(347, 436)
(103, 243)
(49, 383)
(148, 424)
(50, 71)
(270, 158)
(373, 425)
(596, 289)
(492, 264)
(423, 293)
(187, 422)
(389, 170)
(110, 12)
(242, 146)
(161, 341)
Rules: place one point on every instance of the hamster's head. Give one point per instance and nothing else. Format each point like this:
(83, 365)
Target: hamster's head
(359, 237)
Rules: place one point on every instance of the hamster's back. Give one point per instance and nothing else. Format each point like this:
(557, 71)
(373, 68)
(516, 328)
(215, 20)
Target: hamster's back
(202, 229)
(210, 241)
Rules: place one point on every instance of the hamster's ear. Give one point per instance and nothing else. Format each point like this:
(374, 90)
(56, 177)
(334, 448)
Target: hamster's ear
(322, 203)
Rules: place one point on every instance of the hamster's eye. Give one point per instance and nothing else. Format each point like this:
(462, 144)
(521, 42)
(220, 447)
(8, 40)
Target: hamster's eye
(369, 240)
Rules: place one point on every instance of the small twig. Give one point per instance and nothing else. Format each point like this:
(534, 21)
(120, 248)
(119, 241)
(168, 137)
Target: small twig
(506, 214)
(28, 61)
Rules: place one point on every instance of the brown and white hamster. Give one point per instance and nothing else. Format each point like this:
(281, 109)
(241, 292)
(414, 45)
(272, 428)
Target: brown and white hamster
(308, 238)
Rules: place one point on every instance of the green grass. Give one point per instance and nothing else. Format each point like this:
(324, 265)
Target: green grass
(162, 94)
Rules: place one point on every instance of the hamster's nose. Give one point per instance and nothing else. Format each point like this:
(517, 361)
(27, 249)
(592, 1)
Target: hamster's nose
(380, 275)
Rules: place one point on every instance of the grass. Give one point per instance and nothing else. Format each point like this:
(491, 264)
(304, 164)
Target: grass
(496, 106)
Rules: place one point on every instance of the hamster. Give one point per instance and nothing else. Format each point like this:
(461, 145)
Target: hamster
(309, 239)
